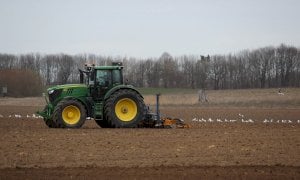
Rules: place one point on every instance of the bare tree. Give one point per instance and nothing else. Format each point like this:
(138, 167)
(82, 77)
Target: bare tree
(66, 65)
(260, 68)
(203, 67)
(8, 61)
(188, 71)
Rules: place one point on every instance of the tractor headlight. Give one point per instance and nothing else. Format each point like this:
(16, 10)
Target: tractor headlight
(51, 91)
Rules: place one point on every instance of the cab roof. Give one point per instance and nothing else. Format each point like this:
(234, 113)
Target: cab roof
(107, 67)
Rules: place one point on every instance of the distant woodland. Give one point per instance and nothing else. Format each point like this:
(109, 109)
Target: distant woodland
(260, 68)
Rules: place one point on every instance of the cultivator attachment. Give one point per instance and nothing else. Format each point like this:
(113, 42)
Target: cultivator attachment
(154, 120)
(174, 123)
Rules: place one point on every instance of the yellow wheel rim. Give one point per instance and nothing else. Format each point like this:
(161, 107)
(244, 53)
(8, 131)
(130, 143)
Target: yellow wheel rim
(126, 109)
(71, 114)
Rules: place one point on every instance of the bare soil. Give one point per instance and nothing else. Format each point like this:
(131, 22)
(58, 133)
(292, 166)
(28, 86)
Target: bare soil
(212, 149)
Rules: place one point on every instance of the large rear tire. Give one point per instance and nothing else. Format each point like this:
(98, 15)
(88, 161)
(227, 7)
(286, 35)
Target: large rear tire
(69, 113)
(124, 109)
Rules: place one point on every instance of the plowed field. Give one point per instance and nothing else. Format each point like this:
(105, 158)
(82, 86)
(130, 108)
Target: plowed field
(232, 143)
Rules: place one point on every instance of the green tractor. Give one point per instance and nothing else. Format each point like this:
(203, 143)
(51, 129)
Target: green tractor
(101, 95)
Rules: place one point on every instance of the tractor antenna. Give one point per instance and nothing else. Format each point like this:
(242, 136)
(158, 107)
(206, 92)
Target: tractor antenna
(157, 107)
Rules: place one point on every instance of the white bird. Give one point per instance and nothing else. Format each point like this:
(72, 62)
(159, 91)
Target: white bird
(195, 119)
(241, 115)
(298, 121)
(283, 121)
(278, 121)
(9, 116)
(17, 116)
(250, 121)
(266, 121)
(203, 120)
(34, 116)
(1, 116)
(28, 116)
(232, 120)
(219, 120)
(226, 120)
(210, 120)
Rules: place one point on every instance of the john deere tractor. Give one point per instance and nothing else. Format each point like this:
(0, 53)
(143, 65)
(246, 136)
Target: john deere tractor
(101, 95)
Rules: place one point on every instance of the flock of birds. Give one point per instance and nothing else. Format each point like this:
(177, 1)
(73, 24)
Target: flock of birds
(243, 120)
(20, 116)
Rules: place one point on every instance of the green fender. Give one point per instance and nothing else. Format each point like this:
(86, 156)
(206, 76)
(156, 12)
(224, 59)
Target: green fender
(116, 88)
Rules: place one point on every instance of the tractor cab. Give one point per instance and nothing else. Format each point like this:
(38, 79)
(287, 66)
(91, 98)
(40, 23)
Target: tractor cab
(100, 79)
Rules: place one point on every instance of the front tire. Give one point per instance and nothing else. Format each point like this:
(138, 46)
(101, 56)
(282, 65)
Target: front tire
(49, 122)
(69, 113)
(124, 109)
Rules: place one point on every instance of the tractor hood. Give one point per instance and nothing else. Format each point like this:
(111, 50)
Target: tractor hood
(59, 92)
(67, 86)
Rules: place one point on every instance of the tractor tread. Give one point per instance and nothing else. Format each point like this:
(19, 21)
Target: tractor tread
(109, 109)
(57, 114)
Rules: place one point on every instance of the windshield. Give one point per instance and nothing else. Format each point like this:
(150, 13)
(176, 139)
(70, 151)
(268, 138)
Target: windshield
(103, 77)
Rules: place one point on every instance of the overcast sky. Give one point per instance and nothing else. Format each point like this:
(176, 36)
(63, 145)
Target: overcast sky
(143, 28)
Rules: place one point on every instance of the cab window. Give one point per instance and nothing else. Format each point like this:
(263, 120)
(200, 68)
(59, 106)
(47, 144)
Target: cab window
(104, 77)
(117, 77)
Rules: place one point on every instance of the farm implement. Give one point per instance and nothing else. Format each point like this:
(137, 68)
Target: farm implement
(102, 96)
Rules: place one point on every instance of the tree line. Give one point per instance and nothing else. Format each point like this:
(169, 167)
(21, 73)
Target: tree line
(260, 68)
